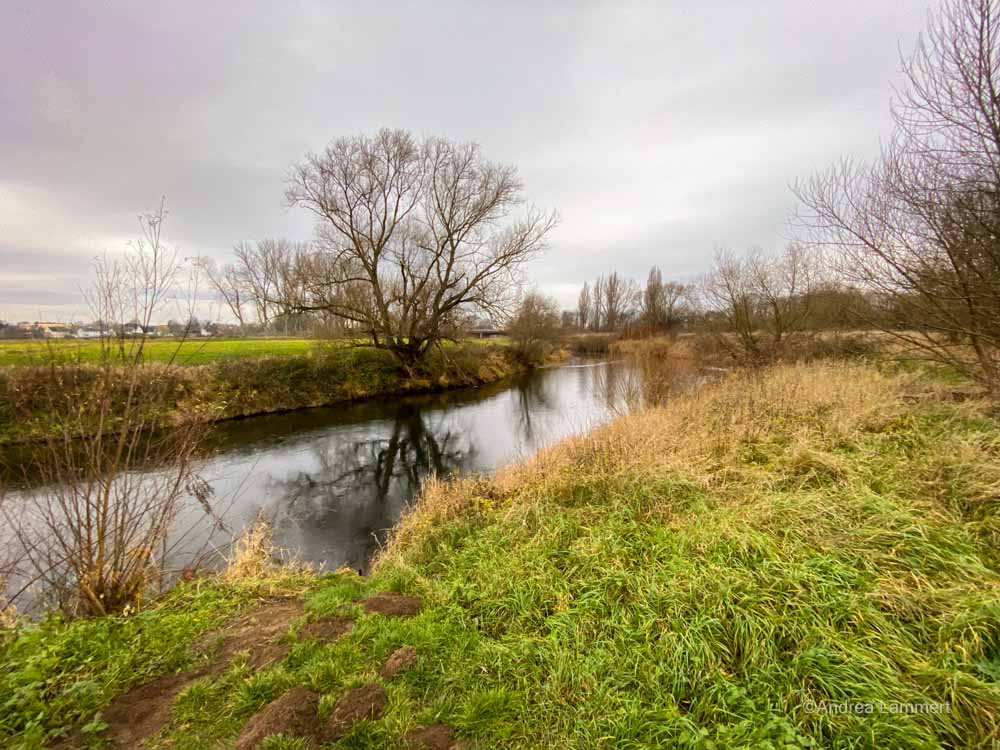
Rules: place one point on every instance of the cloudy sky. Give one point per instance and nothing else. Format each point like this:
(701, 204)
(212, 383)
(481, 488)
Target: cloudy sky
(658, 130)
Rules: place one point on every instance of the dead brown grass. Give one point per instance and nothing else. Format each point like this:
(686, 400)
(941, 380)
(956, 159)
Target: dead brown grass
(699, 434)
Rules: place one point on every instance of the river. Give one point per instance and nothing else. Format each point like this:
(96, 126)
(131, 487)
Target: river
(333, 481)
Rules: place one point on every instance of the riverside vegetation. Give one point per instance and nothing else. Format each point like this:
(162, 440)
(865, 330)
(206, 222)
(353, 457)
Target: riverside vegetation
(238, 381)
(701, 574)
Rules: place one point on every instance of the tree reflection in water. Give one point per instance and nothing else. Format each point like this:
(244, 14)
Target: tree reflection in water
(361, 486)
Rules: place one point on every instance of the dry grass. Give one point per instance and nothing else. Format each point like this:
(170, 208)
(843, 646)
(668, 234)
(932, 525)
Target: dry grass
(701, 434)
(254, 558)
(818, 532)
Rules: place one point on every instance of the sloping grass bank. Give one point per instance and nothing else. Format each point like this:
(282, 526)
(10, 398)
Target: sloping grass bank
(33, 398)
(729, 571)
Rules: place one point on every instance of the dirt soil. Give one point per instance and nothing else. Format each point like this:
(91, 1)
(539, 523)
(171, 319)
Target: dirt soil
(392, 605)
(326, 629)
(401, 659)
(436, 737)
(365, 702)
(144, 710)
(256, 632)
(294, 713)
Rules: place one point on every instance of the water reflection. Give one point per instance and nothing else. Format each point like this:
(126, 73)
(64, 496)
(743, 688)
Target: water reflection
(333, 481)
(359, 487)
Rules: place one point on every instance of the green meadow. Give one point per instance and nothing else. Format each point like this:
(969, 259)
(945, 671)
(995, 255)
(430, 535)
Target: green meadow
(186, 352)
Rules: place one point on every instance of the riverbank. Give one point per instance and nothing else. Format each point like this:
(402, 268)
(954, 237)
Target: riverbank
(727, 571)
(243, 387)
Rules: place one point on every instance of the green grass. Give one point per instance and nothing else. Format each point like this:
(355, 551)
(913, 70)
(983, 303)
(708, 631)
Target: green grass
(244, 377)
(811, 537)
(59, 674)
(189, 352)
(184, 352)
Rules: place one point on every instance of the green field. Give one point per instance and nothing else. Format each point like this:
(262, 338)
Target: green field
(190, 352)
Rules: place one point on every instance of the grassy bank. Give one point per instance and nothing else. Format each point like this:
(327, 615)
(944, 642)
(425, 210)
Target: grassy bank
(31, 397)
(723, 572)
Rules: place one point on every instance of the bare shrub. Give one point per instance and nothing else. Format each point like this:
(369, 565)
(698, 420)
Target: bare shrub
(535, 327)
(92, 533)
(920, 225)
(754, 303)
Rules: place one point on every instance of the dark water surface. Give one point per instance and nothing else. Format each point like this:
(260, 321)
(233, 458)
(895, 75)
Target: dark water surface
(333, 481)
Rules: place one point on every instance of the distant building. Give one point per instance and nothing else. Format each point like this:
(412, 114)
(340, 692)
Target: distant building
(487, 332)
(137, 329)
(51, 330)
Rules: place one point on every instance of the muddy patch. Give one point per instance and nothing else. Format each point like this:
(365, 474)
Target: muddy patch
(365, 702)
(326, 629)
(144, 710)
(437, 737)
(401, 659)
(392, 605)
(294, 713)
(256, 632)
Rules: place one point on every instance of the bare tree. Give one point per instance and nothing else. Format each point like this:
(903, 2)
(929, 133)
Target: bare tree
(652, 299)
(620, 296)
(920, 225)
(410, 234)
(535, 327)
(661, 301)
(230, 288)
(755, 301)
(598, 317)
(584, 307)
(91, 531)
(261, 281)
(676, 297)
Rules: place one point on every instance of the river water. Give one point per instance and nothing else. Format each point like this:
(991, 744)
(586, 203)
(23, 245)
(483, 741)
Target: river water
(333, 481)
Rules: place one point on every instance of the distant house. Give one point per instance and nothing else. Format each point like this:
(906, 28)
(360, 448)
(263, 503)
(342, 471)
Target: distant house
(137, 329)
(51, 330)
(92, 331)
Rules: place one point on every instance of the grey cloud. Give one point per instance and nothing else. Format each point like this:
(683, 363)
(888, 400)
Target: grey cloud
(657, 129)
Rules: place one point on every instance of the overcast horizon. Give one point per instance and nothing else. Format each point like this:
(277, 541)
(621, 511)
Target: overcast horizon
(658, 131)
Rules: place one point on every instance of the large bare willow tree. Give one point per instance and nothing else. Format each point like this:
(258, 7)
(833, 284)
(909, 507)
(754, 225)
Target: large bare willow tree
(410, 235)
(921, 225)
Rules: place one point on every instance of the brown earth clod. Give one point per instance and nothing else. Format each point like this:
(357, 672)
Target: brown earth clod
(436, 737)
(366, 702)
(326, 629)
(144, 710)
(392, 605)
(256, 632)
(294, 713)
(401, 659)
